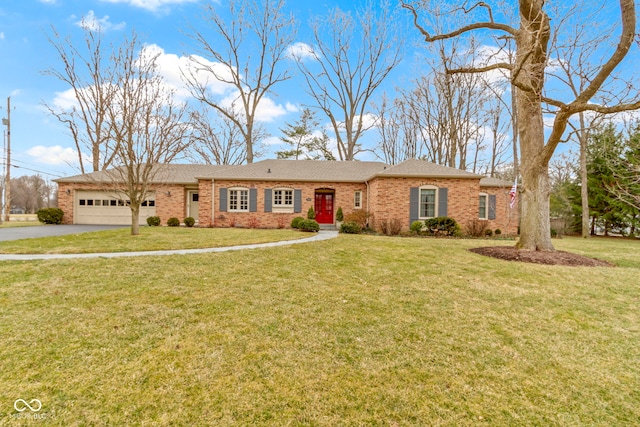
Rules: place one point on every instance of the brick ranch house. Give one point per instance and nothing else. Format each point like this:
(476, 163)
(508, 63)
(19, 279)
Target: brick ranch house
(271, 193)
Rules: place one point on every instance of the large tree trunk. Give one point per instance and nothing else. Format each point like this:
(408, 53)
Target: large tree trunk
(535, 228)
(531, 58)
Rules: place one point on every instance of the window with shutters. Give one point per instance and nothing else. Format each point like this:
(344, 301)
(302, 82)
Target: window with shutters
(428, 202)
(283, 198)
(484, 206)
(238, 200)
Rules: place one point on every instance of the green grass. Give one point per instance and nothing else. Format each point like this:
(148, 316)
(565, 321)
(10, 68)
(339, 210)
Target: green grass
(354, 331)
(149, 239)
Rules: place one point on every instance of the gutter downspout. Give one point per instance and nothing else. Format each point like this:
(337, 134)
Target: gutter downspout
(368, 192)
(213, 202)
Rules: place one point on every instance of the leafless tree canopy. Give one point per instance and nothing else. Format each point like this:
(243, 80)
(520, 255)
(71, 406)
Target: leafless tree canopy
(350, 58)
(88, 71)
(457, 120)
(147, 126)
(30, 193)
(125, 113)
(245, 53)
(215, 140)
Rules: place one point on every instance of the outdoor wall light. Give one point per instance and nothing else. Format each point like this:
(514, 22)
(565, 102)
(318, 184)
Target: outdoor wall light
(68, 192)
(169, 193)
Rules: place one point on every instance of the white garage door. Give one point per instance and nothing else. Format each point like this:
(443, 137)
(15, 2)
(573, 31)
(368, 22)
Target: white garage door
(101, 207)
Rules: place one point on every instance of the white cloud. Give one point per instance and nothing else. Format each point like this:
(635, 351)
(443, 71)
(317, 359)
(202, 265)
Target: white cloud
(65, 100)
(368, 121)
(1, 36)
(291, 108)
(301, 51)
(48, 1)
(54, 156)
(151, 5)
(486, 55)
(267, 110)
(272, 140)
(172, 66)
(92, 23)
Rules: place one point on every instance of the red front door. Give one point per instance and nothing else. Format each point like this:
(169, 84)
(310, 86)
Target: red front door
(324, 208)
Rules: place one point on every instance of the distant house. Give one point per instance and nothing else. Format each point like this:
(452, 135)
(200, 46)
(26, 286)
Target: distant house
(271, 193)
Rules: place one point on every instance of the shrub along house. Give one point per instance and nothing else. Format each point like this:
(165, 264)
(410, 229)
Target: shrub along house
(271, 193)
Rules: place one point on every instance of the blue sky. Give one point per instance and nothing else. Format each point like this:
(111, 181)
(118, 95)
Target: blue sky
(40, 144)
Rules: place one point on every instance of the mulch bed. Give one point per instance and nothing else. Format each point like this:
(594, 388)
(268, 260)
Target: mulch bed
(510, 253)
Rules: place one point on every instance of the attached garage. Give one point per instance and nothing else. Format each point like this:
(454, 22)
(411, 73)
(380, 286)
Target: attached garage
(102, 207)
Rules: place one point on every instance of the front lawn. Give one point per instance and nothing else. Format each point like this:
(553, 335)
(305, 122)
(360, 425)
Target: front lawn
(354, 331)
(149, 239)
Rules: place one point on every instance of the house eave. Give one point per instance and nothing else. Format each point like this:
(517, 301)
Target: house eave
(270, 179)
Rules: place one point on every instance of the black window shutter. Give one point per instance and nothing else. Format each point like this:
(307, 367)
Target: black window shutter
(297, 201)
(492, 206)
(443, 196)
(253, 200)
(223, 200)
(414, 205)
(268, 199)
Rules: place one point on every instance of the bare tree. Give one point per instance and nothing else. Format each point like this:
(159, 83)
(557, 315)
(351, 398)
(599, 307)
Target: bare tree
(397, 135)
(245, 54)
(575, 66)
(496, 126)
(446, 113)
(216, 141)
(146, 125)
(528, 76)
(350, 58)
(30, 193)
(88, 71)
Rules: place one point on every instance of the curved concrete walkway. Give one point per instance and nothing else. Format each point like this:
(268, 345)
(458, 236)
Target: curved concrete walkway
(322, 235)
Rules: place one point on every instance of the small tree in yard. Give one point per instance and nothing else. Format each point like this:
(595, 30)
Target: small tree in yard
(528, 76)
(145, 124)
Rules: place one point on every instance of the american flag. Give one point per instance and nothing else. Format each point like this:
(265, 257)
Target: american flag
(513, 194)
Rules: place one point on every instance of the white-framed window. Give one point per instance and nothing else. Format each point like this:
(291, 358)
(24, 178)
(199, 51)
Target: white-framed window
(238, 200)
(357, 199)
(428, 202)
(283, 198)
(483, 207)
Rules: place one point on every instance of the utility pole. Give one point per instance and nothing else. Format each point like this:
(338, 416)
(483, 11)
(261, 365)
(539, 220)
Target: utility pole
(7, 179)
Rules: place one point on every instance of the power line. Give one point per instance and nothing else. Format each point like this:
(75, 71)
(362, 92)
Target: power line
(51, 172)
(35, 170)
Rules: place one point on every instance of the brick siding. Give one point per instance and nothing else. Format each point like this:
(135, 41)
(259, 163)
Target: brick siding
(343, 197)
(386, 198)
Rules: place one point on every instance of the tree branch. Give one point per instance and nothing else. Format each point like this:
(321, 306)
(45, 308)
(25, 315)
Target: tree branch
(467, 28)
(476, 70)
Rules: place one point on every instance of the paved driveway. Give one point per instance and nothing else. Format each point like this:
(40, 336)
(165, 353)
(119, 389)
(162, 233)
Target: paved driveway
(17, 233)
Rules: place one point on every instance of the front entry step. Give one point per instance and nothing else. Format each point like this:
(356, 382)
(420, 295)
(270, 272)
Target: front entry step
(328, 227)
